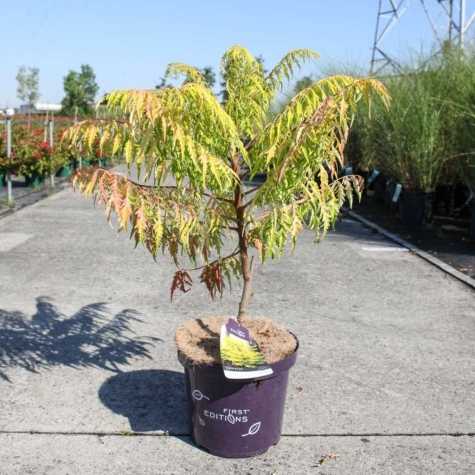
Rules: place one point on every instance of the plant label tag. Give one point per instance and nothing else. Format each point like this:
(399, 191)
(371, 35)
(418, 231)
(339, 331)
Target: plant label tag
(240, 355)
(373, 176)
(397, 193)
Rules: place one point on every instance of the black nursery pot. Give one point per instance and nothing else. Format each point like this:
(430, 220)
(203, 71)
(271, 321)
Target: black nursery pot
(379, 187)
(412, 208)
(233, 418)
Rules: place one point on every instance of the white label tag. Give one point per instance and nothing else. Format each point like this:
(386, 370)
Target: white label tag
(397, 192)
(373, 176)
(240, 355)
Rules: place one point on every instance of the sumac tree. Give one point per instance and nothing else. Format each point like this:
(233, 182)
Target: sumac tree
(194, 155)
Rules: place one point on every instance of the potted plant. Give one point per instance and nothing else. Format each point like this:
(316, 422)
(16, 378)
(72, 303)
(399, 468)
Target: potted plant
(421, 140)
(35, 156)
(66, 167)
(209, 148)
(8, 166)
(15, 164)
(50, 159)
(40, 160)
(25, 162)
(467, 176)
(65, 170)
(94, 155)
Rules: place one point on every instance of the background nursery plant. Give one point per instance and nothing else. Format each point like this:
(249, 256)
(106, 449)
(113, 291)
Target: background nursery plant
(209, 149)
(32, 155)
(424, 141)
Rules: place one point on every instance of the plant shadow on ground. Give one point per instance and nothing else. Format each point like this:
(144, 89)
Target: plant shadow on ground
(91, 337)
(152, 400)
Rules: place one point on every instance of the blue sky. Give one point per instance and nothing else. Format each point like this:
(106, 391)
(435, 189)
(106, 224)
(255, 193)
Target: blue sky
(130, 42)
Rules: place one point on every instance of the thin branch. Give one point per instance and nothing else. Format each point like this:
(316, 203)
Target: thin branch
(462, 154)
(219, 259)
(99, 120)
(218, 198)
(251, 200)
(251, 142)
(248, 203)
(252, 190)
(170, 187)
(345, 177)
(141, 185)
(298, 202)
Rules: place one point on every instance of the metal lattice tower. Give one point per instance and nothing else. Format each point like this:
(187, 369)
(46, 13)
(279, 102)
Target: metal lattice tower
(391, 11)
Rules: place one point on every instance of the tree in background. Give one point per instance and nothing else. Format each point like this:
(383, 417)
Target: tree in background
(27, 91)
(80, 90)
(301, 84)
(209, 76)
(28, 80)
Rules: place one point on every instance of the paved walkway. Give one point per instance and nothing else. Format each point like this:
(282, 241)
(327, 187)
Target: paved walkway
(26, 195)
(385, 378)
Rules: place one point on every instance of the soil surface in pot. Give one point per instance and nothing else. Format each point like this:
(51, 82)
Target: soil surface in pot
(198, 340)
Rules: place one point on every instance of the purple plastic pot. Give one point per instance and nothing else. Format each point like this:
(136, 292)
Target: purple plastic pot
(233, 418)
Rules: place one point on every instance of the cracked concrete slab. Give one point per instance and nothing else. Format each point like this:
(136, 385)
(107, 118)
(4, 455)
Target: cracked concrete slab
(92, 455)
(87, 339)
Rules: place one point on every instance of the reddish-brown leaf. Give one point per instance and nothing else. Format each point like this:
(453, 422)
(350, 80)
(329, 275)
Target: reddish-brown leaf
(181, 281)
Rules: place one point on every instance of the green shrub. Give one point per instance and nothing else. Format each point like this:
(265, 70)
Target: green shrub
(427, 136)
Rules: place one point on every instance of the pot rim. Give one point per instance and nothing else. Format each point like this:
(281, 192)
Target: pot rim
(277, 367)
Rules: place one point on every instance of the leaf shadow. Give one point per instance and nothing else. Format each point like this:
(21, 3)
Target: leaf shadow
(91, 337)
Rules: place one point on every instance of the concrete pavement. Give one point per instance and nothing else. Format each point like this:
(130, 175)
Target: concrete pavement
(384, 380)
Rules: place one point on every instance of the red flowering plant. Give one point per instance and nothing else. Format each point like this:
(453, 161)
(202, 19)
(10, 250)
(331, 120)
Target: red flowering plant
(31, 154)
(16, 163)
(47, 160)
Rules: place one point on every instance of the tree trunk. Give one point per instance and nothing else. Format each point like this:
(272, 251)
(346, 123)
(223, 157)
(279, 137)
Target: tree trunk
(246, 265)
